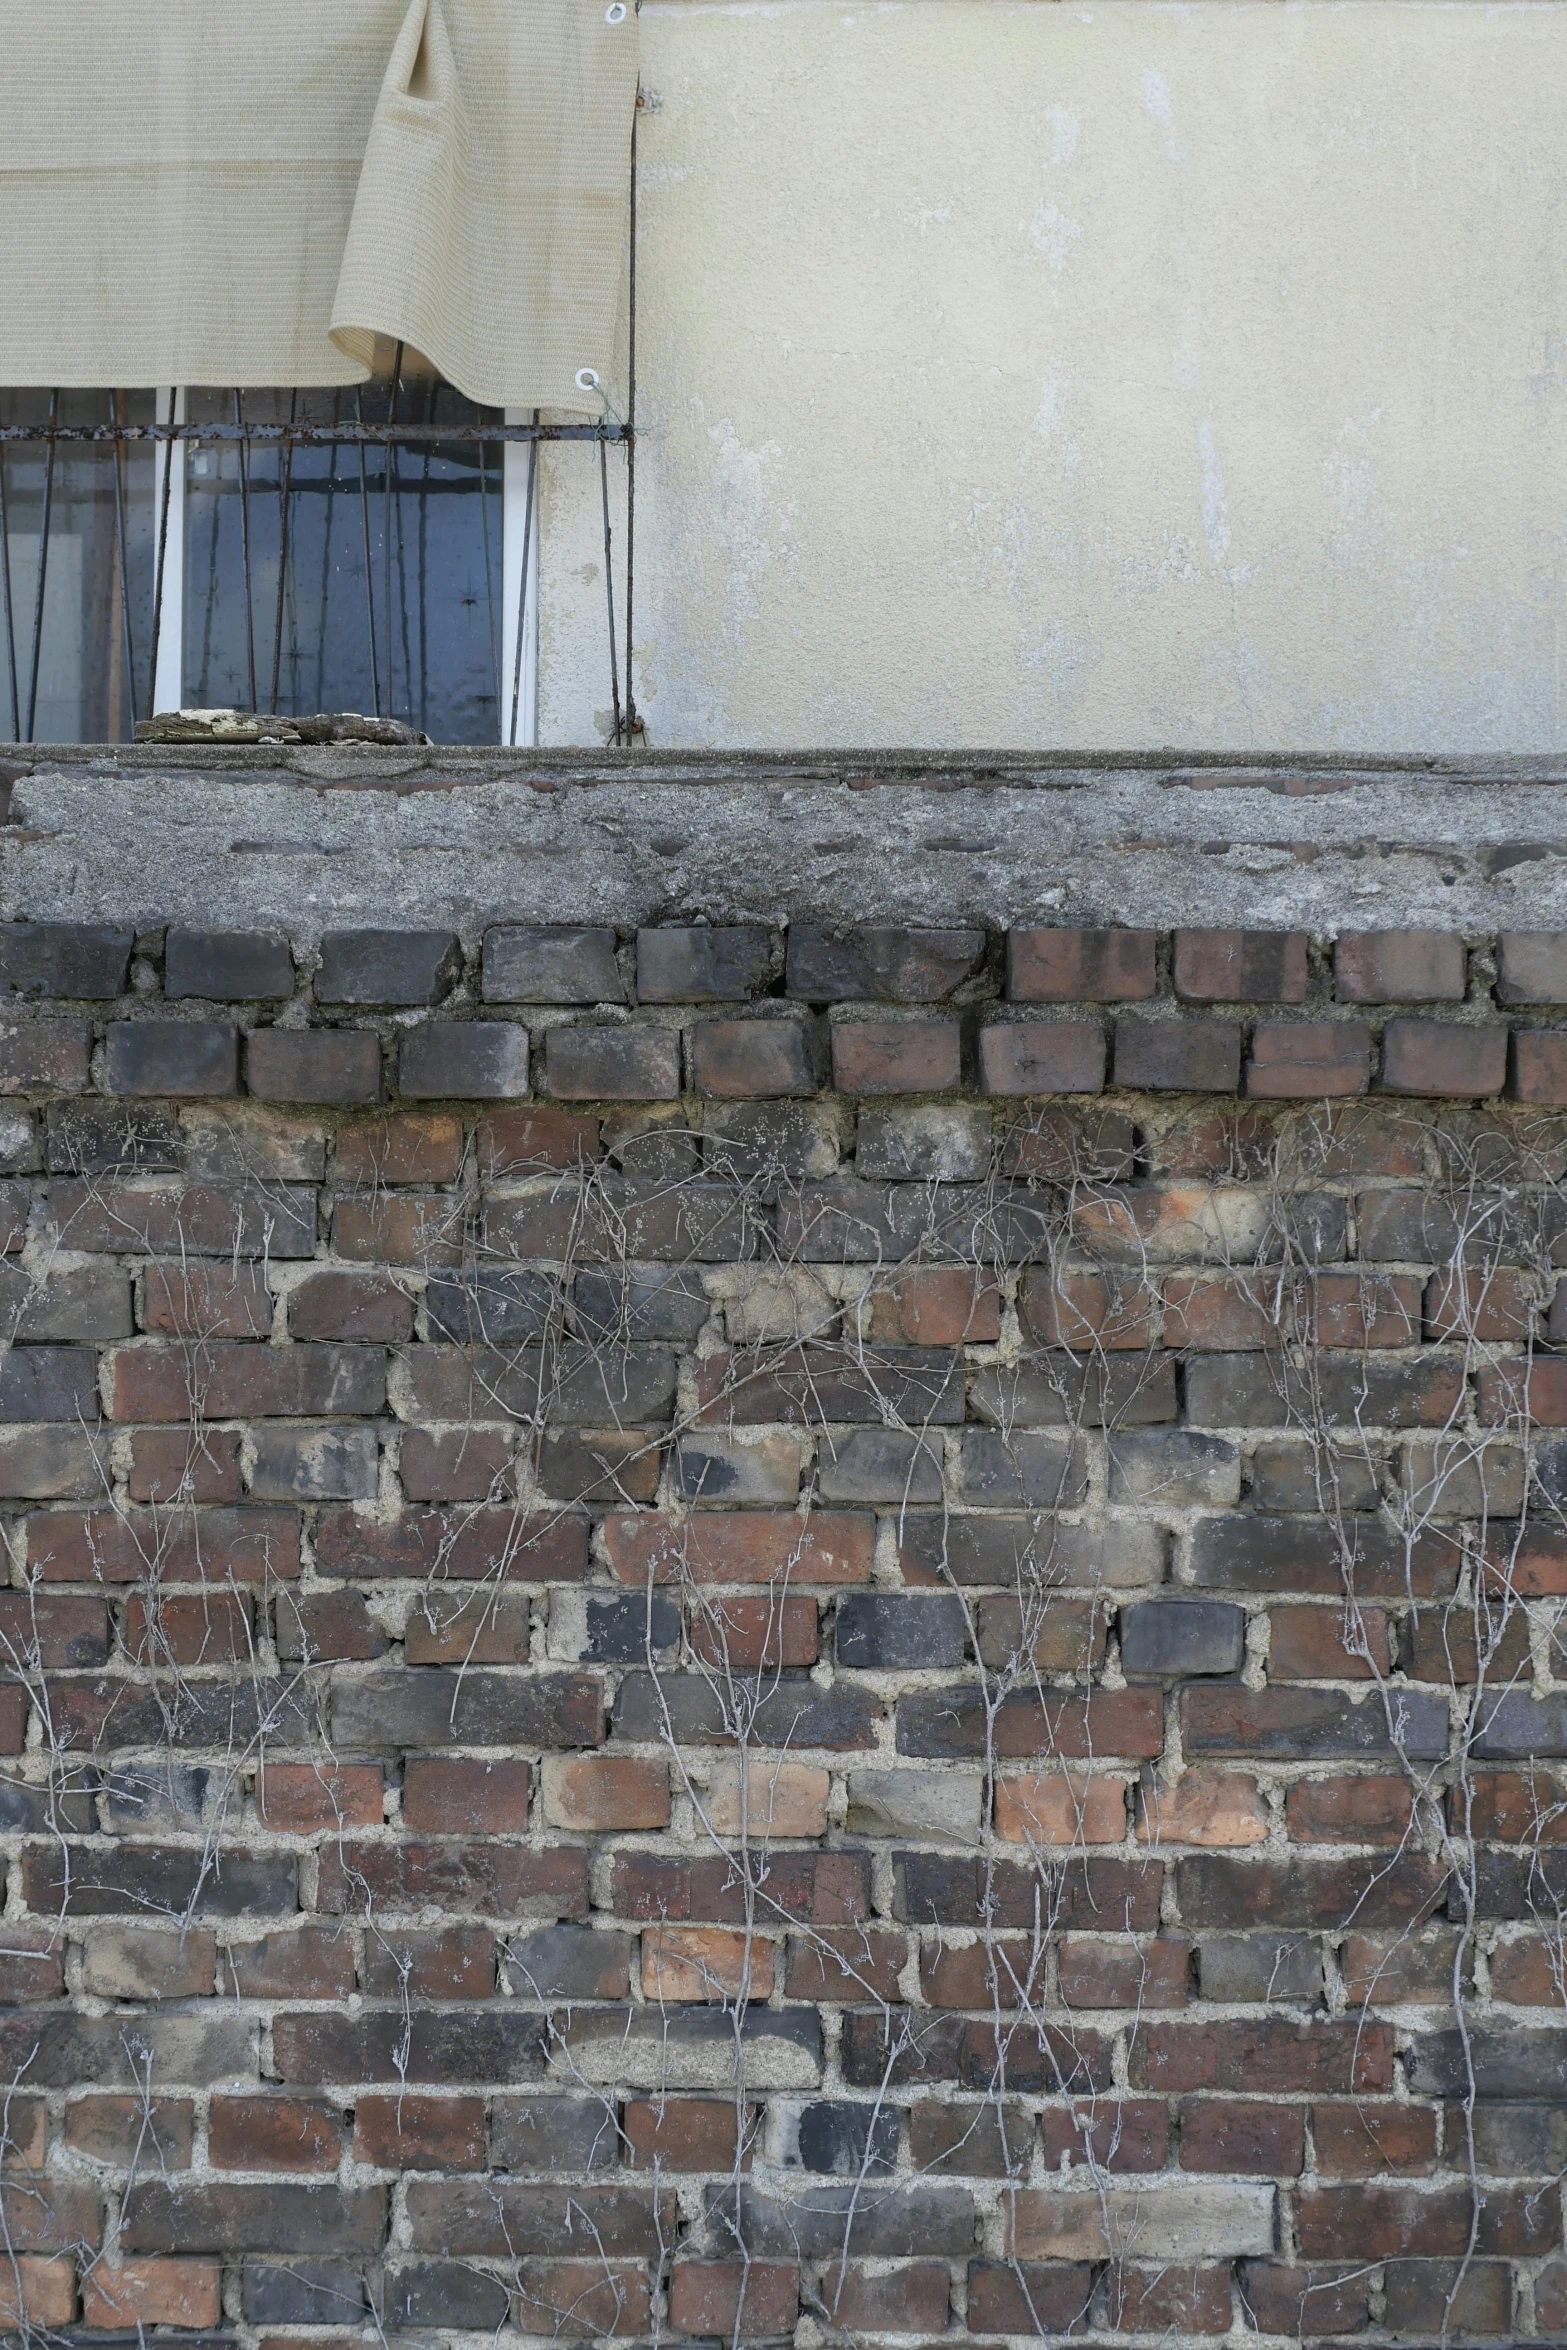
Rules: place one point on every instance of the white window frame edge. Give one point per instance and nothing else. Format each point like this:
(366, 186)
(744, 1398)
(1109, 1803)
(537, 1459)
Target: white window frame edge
(169, 683)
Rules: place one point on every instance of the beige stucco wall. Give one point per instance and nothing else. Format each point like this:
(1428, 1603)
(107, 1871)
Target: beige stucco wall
(1116, 375)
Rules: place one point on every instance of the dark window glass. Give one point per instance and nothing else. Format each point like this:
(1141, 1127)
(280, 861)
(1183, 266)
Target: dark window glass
(373, 574)
(75, 663)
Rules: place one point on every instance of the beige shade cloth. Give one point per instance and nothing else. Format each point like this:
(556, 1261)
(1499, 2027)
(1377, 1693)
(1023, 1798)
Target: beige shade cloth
(250, 191)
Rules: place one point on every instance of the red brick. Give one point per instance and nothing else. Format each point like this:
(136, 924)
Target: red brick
(938, 1305)
(419, 2133)
(206, 1301)
(705, 1963)
(328, 1624)
(1169, 2299)
(1510, 1807)
(1438, 1057)
(1177, 1056)
(1491, 1304)
(1080, 966)
(1539, 1067)
(847, 1965)
(314, 1065)
(1308, 1060)
(1114, 2133)
(1525, 1973)
(826, 1548)
(734, 2300)
(457, 1464)
(464, 1544)
(1306, 2301)
(1240, 966)
(275, 2133)
(1221, 1313)
(298, 1798)
(1375, 2221)
(469, 1624)
(454, 1962)
(1367, 2140)
(1088, 1311)
(367, 1307)
(133, 2294)
(188, 1628)
(686, 2133)
(600, 1791)
(1243, 2136)
(1373, 1810)
(1403, 1970)
(752, 1635)
(32, 1968)
(156, 2132)
(186, 1465)
(1269, 2056)
(1042, 1056)
(1531, 967)
(602, 2297)
(1535, 1389)
(422, 1229)
(1398, 967)
(534, 1140)
(896, 1056)
(750, 1060)
(410, 1146)
(463, 1798)
(45, 1056)
(1024, 2297)
(1316, 1644)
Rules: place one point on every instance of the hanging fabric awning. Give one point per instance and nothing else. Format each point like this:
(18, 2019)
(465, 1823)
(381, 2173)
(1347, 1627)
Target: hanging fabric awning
(250, 191)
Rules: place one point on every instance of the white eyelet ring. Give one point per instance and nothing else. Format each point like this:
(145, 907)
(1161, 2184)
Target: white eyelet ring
(587, 380)
(615, 13)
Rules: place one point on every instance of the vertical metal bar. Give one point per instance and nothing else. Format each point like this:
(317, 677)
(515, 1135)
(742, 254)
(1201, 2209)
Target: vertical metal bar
(522, 586)
(364, 516)
(285, 481)
(424, 577)
(173, 454)
(117, 416)
(489, 568)
(5, 597)
(244, 533)
(386, 533)
(609, 583)
(326, 557)
(43, 564)
(631, 433)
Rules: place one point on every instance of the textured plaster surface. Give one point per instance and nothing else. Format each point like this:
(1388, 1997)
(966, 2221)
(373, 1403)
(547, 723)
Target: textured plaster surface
(313, 839)
(1115, 375)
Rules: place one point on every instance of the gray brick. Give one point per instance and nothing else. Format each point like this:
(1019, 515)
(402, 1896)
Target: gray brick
(386, 966)
(1168, 1637)
(1521, 2140)
(1513, 1726)
(931, 1807)
(886, 966)
(99, 1138)
(938, 2223)
(314, 1464)
(835, 2137)
(468, 1060)
(45, 1056)
(793, 1712)
(727, 1471)
(1531, 967)
(90, 1301)
(449, 2295)
(182, 1058)
(309, 2292)
(600, 1063)
(1259, 1967)
(209, 2215)
(1286, 1477)
(569, 1962)
(768, 1143)
(877, 1464)
(668, 1305)
(1028, 1469)
(227, 966)
(491, 1307)
(588, 1629)
(888, 1632)
(1174, 1470)
(932, 1142)
(314, 1065)
(553, 2134)
(1508, 2061)
(48, 1383)
(718, 966)
(80, 959)
(437, 1707)
(550, 963)
(1059, 1389)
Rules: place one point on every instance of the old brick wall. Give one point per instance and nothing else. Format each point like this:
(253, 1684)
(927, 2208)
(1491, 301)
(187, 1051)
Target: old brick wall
(744, 1635)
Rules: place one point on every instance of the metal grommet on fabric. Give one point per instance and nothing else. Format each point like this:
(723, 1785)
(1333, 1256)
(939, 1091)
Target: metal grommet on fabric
(615, 13)
(587, 380)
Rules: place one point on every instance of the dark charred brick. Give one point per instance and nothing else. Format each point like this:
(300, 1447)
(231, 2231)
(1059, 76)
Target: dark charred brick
(1439, 1057)
(386, 966)
(49, 1383)
(896, 1056)
(1240, 966)
(471, 1060)
(1080, 966)
(550, 963)
(1042, 1056)
(889, 966)
(1308, 1060)
(314, 1065)
(793, 1712)
(206, 2216)
(183, 1058)
(755, 1060)
(80, 959)
(719, 966)
(45, 1056)
(1176, 1637)
(883, 1632)
(443, 2294)
(1177, 1056)
(622, 1063)
(309, 2292)
(227, 966)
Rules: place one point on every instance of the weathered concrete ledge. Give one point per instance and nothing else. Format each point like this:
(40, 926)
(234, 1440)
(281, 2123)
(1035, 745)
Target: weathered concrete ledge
(314, 837)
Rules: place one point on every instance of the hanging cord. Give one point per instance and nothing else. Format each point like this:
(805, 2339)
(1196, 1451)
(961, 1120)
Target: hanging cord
(588, 381)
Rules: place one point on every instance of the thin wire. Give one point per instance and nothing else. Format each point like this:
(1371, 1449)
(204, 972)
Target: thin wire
(609, 588)
(522, 585)
(631, 432)
(244, 528)
(364, 512)
(163, 548)
(43, 565)
(116, 410)
(5, 596)
(285, 477)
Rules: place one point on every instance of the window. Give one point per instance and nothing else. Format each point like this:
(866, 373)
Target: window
(291, 551)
